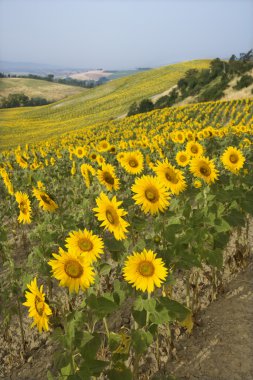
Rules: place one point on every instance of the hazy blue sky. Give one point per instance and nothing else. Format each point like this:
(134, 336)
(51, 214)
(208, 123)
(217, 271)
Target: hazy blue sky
(116, 34)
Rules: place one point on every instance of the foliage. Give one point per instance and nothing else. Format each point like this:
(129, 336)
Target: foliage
(244, 81)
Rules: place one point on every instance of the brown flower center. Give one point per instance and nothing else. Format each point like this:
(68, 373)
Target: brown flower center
(73, 269)
(39, 305)
(108, 178)
(205, 170)
(85, 245)
(112, 216)
(23, 207)
(194, 149)
(182, 158)
(146, 268)
(46, 199)
(152, 195)
(133, 163)
(171, 176)
(233, 158)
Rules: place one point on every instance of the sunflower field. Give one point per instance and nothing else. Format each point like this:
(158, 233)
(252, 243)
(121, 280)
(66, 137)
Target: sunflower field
(98, 225)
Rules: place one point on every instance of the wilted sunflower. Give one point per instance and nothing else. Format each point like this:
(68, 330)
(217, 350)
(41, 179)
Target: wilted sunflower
(151, 194)
(144, 271)
(107, 177)
(72, 270)
(38, 308)
(109, 213)
(87, 171)
(233, 159)
(194, 149)
(204, 168)
(24, 205)
(132, 162)
(182, 158)
(85, 243)
(170, 177)
(45, 202)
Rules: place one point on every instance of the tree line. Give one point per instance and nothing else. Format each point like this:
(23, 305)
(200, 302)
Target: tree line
(209, 84)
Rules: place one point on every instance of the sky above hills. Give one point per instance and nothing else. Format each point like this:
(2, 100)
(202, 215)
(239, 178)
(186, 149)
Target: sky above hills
(121, 34)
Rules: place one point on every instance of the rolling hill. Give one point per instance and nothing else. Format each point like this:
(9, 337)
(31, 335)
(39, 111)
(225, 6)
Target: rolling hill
(34, 87)
(19, 126)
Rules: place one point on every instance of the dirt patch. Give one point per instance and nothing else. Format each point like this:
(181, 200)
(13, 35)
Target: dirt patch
(221, 348)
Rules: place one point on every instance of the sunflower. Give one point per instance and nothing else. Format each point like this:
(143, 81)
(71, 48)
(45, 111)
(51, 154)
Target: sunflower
(85, 243)
(182, 158)
(22, 161)
(45, 202)
(194, 149)
(204, 168)
(38, 308)
(109, 213)
(24, 205)
(73, 270)
(80, 152)
(170, 177)
(107, 177)
(151, 194)
(104, 146)
(144, 271)
(197, 183)
(233, 159)
(87, 171)
(132, 162)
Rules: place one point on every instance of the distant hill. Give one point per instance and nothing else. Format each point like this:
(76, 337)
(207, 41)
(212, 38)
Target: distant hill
(94, 105)
(37, 88)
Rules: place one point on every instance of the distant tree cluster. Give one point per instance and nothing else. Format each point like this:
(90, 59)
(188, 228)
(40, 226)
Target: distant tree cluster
(21, 100)
(208, 84)
(68, 81)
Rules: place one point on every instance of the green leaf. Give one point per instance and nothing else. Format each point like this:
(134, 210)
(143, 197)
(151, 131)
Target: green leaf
(140, 317)
(97, 366)
(141, 340)
(121, 372)
(221, 225)
(90, 349)
(159, 316)
(176, 311)
(101, 305)
(235, 218)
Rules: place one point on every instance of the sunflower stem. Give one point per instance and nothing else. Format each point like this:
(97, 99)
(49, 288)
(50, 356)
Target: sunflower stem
(147, 316)
(106, 327)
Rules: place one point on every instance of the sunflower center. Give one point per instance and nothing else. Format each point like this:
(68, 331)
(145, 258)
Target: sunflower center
(152, 195)
(45, 199)
(171, 176)
(108, 178)
(182, 158)
(234, 158)
(80, 151)
(23, 207)
(73, 269)
(133, 163)
(39, 305)
(112, 216)
(205, 170)
(194, 149)
(146, 268)
(85, 245)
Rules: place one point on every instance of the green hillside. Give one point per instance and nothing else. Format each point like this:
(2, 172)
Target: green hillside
(19, 126)
(37, 88)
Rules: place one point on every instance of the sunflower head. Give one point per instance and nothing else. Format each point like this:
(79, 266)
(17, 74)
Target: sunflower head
(24, 205)
(132, 162)
(86, 244)
(144, 271)
(182, 158)
(204, 168)
(233, 159)
(107, 177)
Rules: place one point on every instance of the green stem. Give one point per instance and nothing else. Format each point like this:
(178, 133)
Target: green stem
(106, 327)
(21, 325)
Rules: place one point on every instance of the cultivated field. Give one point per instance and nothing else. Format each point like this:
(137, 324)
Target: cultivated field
(111, 234)
(99, 104)
(34, 87)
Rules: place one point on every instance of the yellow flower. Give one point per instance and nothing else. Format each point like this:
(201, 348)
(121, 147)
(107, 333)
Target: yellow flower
(24, 205)
(170, 177)
(45, 202)
(233, 159)
(194, 149)
(72, 270)
(86, 171)
(144, 271)
(204, 168)
(109, 213)
(38, 308)
(197, 183)
(132, 162)
(80, 152)
(85, 243)
(151, 195)
(107, 177)
(182, 158)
